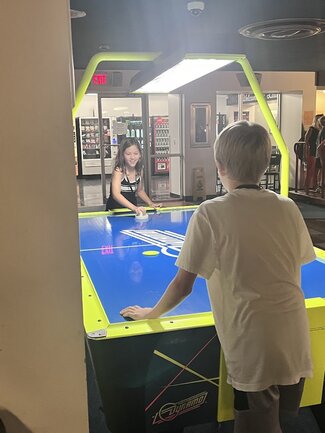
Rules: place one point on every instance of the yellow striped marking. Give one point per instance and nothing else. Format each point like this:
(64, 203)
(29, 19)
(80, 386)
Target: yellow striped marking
(167, 358)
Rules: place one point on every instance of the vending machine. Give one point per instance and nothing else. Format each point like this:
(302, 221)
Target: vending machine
(160, 145)
(88, 146)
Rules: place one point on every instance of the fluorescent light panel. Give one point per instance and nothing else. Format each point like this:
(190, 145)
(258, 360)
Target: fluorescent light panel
(182, 73)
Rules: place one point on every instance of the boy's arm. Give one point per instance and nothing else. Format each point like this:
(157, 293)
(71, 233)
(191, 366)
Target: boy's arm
(178, 289)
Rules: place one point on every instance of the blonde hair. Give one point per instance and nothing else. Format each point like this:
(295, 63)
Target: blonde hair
(316, 121)
(244, 150)
(321, 121)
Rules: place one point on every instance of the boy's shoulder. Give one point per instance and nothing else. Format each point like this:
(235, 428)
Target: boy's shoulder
(282, 199)
(230, 200)
(217, 201)
(213, 207)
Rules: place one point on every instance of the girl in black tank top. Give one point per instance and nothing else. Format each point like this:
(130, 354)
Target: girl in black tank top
(126, 182)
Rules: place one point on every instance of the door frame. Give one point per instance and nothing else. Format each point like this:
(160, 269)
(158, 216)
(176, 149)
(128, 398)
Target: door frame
(101, 138)
(147, 155)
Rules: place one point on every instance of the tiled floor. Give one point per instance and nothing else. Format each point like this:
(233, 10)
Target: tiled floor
(312, 197)
(316, 228)
(310, 211)
(89, 192)
(314, 217)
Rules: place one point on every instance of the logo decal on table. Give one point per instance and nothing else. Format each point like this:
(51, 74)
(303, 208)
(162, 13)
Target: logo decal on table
(170, 411)
(169, 242)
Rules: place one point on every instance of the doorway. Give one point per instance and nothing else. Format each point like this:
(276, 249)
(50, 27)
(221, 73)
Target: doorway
(104, 121)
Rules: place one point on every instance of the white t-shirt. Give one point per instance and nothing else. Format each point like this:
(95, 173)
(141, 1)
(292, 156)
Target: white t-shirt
(249, 245)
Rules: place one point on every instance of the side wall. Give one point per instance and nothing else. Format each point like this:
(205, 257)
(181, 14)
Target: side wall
(204, 90)
(42, 367)
(200, 91)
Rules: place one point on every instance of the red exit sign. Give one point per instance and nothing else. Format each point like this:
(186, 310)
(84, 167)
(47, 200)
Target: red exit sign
(99, 79)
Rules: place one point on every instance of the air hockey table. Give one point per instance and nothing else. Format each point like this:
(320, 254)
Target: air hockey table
(164, 374)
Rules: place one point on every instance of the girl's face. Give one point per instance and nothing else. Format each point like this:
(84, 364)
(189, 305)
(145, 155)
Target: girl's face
(131, 156)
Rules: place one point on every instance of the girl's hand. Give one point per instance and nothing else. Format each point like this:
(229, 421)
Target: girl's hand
(139, 210)
(135, 312)
(155, 205)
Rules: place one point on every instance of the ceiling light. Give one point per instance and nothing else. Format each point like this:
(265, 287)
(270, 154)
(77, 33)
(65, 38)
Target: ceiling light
(187, 70)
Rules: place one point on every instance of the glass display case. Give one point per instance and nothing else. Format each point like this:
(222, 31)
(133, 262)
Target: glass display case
(88, 145)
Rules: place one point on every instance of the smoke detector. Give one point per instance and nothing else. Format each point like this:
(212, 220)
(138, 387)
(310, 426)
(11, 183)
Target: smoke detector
(195, 8)
(77, 14)
(284, 29)
(104, 47)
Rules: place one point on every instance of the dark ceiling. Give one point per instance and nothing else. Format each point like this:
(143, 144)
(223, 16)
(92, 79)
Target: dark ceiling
(166, 25)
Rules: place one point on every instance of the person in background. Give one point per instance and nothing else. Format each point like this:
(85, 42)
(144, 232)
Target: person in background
(126, 183)
(249, 245)
(321, 134)
(321, 155)
(303, 133)
(312, 162)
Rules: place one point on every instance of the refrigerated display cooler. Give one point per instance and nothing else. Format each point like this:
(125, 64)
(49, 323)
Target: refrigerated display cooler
(160, 145)
(134, 128)
(159, 139)
(88, 142)
(88, 146)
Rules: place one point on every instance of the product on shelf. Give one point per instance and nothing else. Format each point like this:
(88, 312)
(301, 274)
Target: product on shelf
(160, 144)
(90, 138)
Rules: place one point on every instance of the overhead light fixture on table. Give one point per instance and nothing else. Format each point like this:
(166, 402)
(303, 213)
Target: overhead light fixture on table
(169, 73)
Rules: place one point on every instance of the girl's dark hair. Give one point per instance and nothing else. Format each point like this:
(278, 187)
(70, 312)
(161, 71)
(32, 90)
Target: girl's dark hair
(119, 159)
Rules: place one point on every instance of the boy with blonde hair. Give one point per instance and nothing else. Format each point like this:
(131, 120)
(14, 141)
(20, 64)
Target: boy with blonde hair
(249, 245)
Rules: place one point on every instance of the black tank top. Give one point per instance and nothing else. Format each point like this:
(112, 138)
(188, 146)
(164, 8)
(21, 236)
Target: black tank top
(128, 190)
